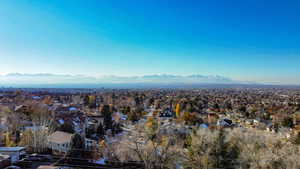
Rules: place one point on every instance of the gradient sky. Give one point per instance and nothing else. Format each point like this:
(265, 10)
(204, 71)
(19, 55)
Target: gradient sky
(250, 40)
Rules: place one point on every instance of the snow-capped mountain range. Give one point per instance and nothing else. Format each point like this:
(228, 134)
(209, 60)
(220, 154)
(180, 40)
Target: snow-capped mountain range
(45, 78)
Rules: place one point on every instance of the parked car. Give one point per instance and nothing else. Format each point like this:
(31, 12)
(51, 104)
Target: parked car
(32, 158)
(46, 158)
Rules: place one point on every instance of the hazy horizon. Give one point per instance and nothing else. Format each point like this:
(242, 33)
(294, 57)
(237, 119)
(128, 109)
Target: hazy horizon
(246, 41)
(42, 80)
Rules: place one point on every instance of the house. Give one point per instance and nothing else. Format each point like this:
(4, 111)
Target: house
(278, 118)
(4, 161)
(285, 132)
(60, 142)
(22, 109)
(90, 144)
(36, 97)
(203, 125)
(93, 122)
(73, 109)
(167, 113)
(296, 129)
(225, 122)
(212, 118)
(296, 118)
(14, 152)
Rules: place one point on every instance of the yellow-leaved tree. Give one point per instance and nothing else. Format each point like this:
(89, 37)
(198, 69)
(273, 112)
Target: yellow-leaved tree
(177, 110)
(8, 141)
(151, 126)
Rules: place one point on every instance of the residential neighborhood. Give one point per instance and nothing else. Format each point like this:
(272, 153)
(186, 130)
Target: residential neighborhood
(102, 127)
(149, 84)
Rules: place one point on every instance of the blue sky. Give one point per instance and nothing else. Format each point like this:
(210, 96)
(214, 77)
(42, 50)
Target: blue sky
(249, 40)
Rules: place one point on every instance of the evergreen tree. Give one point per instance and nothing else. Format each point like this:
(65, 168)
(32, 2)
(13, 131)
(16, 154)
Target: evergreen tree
(287, 122)
(100, 130)
(77, 146)
(86, 100)
(107, 117)
(67, 127)
(224, 154)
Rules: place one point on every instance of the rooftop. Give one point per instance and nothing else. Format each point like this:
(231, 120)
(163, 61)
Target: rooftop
(9, 149)
(60, 137)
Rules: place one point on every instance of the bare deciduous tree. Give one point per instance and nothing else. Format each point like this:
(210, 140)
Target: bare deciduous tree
(158, 152)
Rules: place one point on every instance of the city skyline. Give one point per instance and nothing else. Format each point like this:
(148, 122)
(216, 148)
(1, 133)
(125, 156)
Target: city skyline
(246, 41)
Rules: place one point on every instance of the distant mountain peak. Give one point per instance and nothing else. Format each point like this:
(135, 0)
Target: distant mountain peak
(41, 78)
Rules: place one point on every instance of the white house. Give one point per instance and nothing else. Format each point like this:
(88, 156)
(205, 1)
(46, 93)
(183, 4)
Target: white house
(13, 152)
(60, 142)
